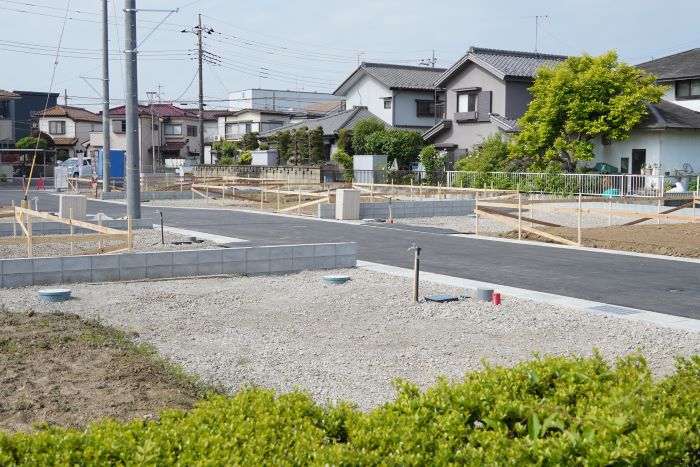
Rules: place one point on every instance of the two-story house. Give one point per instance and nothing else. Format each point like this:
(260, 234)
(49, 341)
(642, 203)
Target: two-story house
(166, 132)
(669, 138)
(233, 125)
(486, 91)
(69, 128)
(402, 96)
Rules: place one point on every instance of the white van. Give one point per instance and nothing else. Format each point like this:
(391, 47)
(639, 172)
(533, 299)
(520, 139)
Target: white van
(74, 171)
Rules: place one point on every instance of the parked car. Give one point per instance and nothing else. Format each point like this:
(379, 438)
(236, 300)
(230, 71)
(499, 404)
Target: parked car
(74, 171)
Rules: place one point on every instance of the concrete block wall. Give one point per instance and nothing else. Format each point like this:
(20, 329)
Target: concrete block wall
(171, 264)
(148, 195)
(404, 209)
(57, 228)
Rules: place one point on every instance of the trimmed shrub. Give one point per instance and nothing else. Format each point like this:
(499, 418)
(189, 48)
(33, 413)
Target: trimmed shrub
(246, 158)
(552, 410)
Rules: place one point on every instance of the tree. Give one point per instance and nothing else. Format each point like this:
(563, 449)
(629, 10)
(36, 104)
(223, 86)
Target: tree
(402, 145)
(345, 141)
(316, 144)
(246, 158)
(30, 142)
(491, 156)
(226, 149)
(250, 141)
(578, 100)
(345, 161)
(360, 133)
(301, 145)
(432, 162)
(284, 144)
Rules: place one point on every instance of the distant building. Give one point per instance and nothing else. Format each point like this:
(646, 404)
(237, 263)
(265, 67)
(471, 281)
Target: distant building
(277, 100)
(69, 128)
(20, 108)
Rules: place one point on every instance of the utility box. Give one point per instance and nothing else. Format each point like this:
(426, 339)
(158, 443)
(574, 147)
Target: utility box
(367, 168)
(60, 178)
(268, 157)
(78, 203)
(347, 205)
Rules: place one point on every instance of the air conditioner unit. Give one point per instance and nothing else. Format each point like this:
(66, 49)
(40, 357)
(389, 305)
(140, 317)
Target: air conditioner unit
(218, 138)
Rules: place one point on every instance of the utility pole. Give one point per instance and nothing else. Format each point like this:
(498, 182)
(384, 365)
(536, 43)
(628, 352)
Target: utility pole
(200, 117)
(133, 175)
(106, 143)
(65, 98)
(429, 61)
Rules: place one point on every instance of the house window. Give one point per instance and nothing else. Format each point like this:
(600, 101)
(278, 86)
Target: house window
(230, 130)
(119, 126)
(387, 103)
(248, 127)
(466, 102)
(425, 108)
(172, 130)
(57, 127)
(688, 89)
(271, 125)
(191, 130)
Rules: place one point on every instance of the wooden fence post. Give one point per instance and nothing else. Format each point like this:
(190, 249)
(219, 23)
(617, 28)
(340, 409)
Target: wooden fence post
(130, 235)
(658, 211)
(100, 244)
(476, 213)
(610, 215)
(29, 235)
(520, 217)
(14, 222)
(579, 220)
(206, 202)
(278, 198)
(72, 229)
(299, 206)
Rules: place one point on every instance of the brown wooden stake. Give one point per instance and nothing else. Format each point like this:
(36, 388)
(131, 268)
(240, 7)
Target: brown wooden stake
(14, 224)
(658, 211)
(99, 222)
(610, 215)
(207, 195)
(278, 198)
(520, 217)
(72, 229)
(130, 235)
(476, 213)
(29, 236)
(299, 206)
(578, 241)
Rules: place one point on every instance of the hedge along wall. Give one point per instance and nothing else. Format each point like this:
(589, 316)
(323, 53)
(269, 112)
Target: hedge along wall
(553, 411)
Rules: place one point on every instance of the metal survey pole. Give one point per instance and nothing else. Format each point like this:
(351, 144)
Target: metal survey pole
(106, 144)
(133, 175)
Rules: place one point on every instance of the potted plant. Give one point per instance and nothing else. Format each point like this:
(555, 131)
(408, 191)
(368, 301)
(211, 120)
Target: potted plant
(647, 170)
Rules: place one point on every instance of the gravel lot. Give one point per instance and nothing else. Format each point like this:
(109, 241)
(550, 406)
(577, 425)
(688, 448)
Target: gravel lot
(467, 224)
(144, 240)
(347, 342)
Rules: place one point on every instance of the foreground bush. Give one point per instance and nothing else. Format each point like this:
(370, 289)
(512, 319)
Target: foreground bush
(548, 411)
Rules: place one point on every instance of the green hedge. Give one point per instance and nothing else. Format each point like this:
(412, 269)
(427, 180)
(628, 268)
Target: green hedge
(553, 411)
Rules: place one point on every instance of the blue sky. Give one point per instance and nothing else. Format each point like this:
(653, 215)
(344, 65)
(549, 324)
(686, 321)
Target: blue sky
(314, 44)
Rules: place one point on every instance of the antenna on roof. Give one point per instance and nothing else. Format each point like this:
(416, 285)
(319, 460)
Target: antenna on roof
(429, 61)
(537, 27)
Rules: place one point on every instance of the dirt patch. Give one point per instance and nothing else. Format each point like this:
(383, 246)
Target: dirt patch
(681, 240)
(63, 370)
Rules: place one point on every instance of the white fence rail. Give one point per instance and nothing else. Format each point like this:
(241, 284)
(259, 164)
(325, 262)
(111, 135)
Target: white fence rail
(586, 184)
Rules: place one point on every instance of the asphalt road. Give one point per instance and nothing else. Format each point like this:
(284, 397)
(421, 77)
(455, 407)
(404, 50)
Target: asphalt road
(665, 286)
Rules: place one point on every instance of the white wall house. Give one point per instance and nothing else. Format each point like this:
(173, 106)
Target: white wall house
(69, 128)
(233, 126)
(669, 140)
(402, 96)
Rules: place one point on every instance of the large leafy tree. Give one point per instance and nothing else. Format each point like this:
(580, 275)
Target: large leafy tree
(250, 141)
(578, 100)
(402, 145)
(284, 144)
(30, 142)
(360, 133)
(489, 156)
(316, 144)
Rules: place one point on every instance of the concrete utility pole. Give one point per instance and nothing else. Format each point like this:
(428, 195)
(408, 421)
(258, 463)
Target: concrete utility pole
(200, 117)
(133, 176)
(106, 144)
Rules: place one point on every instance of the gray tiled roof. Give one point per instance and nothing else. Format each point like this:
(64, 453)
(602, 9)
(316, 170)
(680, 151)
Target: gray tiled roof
(331, 124)
(504, 63)
(395, 76)
(666, 115)
(509, 125)
(681, 65)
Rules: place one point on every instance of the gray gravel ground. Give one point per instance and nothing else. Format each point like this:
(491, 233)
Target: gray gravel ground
(347, 342)
(144, 240)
